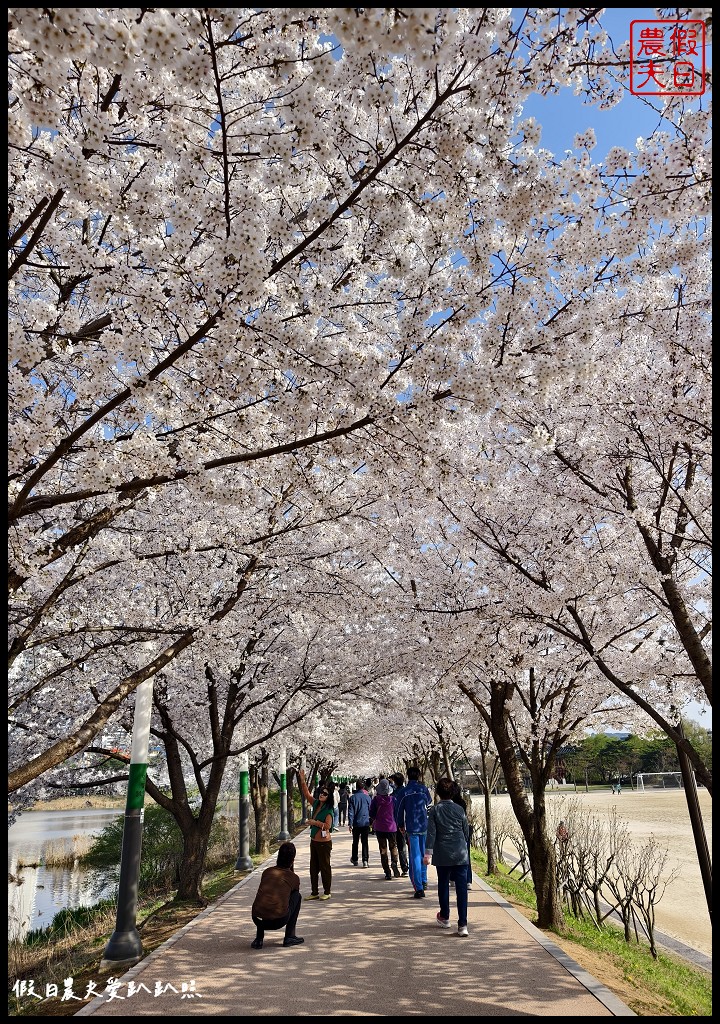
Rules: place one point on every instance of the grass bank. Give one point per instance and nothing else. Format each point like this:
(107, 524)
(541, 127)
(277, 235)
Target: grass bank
(75, 947)
(664, 987)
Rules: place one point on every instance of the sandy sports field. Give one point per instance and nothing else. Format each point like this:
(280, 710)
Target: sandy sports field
(682, 912)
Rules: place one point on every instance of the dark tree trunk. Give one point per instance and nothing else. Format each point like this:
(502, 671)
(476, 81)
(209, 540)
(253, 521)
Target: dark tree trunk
(192, 866)
(530, 817)
(290, 801)
(492, 868)
(434, 765)
(259, 797)
(532, 821)
(195, 829)
(488, 779)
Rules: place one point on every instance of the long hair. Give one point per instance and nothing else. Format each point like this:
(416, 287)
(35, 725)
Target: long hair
(456, 795)
(444, 788)
(328, 801)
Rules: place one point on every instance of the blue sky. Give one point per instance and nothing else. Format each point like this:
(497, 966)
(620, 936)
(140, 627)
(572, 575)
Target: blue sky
(564, 115)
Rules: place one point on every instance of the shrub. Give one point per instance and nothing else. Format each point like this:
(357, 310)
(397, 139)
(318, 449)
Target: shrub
(162, 850)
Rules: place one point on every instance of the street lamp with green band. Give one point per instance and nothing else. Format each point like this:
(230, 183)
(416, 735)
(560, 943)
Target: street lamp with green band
(283, 834)
(244, 860)
(125, 946)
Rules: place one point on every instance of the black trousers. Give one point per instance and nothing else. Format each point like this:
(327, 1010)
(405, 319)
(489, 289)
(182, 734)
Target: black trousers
(402, 850)
(360, 834)
(289, 920)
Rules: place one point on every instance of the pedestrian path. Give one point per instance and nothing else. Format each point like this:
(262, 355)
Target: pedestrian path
(372, 950)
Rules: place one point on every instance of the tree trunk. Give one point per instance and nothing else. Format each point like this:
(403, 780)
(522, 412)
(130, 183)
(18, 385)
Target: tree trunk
(195, 830)
(192, 866)
(259, 797)
(541, 852)
(290, 801)
(434, 764)
(492, 868)
(530, 817)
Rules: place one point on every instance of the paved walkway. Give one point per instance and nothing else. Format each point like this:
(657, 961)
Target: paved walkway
(370, 951)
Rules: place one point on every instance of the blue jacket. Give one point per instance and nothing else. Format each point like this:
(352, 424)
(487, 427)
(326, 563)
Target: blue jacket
(397, 795)
(413, 807)
(359, 809)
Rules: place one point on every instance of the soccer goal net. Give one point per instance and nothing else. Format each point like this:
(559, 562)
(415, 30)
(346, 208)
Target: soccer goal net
(659, 780)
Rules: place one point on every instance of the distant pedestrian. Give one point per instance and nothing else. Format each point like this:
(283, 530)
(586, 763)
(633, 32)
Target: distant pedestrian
(277, 901)
(459, 799)
(344, 794)
(397, 794)
(412, 818)
(336, 807)
(320, 821)
(448, 834)
(359, 823)
(382, 818)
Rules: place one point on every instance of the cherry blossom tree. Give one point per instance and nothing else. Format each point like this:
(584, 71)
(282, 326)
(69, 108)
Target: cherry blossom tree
(307, 249)
(264, 676)
(603, 536)
(179, 593)
(534, 697)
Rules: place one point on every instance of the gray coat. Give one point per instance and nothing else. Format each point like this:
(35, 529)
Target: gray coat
(448, 834)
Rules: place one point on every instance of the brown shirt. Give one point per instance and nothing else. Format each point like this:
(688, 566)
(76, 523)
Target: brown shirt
(273, 896)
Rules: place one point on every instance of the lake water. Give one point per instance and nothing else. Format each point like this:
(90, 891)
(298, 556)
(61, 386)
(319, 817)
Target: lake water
(36, 894)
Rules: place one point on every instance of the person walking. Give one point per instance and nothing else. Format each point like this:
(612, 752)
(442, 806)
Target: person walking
(344, 793)
(336, 807)
(277, 901)
(320, 821)
(382, 818)
(398, 792)
(448, 835)
(459, 799)
(412, 819)
(359, 823)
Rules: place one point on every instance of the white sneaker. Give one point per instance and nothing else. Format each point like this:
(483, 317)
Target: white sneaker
(462, 929)
(442, 921)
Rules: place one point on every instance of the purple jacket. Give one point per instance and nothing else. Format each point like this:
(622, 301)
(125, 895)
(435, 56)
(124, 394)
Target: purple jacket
(382, 814)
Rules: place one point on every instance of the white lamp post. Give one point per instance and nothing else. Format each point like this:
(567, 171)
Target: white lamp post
(124, 946)
(244, 861)
(284, 834)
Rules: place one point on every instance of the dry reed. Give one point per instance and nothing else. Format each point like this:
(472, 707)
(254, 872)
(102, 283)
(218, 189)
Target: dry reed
(59, 853)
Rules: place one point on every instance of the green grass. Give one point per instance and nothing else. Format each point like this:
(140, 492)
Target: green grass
(685, 990)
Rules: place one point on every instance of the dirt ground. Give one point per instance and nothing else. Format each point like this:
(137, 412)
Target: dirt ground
(682, 911)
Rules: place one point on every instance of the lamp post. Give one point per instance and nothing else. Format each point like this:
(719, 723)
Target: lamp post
(283, 834)
(124, 946)
(244, 861)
